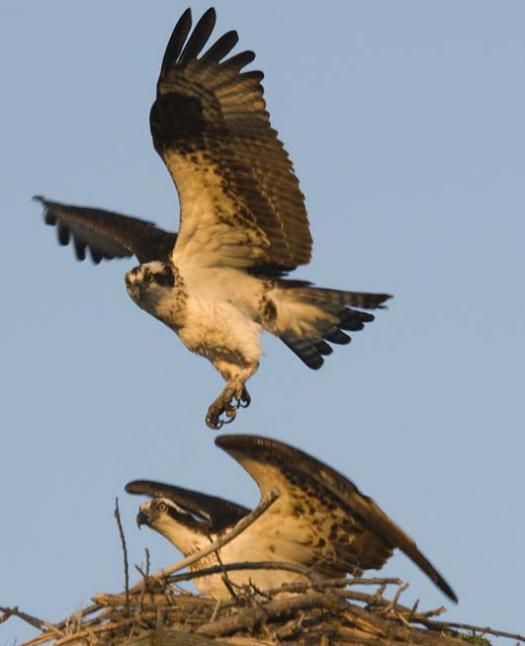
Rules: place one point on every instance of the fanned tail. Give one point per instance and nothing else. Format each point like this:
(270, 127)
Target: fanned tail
(308, 318)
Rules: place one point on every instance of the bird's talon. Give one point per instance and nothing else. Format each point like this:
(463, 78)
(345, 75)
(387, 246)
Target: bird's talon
(245, 399)
(214, 421)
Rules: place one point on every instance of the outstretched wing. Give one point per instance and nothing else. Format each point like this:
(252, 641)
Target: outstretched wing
(106, 234)
(220, 513)
(344, 522)
(240, 200)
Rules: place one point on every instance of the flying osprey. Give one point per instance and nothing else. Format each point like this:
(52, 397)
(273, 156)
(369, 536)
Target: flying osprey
(220, 281)
(320, 520)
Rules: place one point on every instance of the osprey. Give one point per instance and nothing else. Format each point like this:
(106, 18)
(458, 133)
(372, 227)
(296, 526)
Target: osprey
(221, 280)
(320, 520)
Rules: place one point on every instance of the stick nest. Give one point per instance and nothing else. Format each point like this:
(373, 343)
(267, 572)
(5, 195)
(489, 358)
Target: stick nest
(156, 612)
(323, 613)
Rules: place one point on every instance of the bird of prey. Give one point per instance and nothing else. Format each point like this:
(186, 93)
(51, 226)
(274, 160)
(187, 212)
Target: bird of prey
(321, 520)
(221, 280)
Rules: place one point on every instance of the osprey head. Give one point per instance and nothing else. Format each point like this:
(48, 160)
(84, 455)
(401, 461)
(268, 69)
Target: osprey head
(153, 287)
(174, 522)
(150, 275)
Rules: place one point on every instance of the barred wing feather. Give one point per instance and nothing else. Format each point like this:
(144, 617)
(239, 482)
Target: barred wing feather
(240, 200)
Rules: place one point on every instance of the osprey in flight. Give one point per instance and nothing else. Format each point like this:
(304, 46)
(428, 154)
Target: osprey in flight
(221, 280)
(321, 520)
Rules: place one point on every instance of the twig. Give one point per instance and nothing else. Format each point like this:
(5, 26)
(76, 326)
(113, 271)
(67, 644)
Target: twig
(475, 629)
(250, 617)
(125, 552)
(249, 565)
(78, 615)
(392, 605)
(291, 567)
(40, 624)
(245, 522)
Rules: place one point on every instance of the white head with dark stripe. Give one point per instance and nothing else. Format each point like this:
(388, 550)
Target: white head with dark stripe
(187, 518)
(153, 287)
(183, 529)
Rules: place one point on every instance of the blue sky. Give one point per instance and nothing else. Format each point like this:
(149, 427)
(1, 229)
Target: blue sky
(405, 122)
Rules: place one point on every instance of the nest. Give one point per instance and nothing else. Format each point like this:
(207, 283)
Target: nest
(327, 613)
(157, 612)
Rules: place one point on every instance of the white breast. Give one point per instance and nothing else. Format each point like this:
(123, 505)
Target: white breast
(221, 312)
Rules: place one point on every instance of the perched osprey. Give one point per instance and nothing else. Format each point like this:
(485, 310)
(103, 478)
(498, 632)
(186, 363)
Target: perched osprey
(320, 520)
(220, 281)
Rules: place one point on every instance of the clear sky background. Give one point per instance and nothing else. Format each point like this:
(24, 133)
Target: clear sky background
(406, 124)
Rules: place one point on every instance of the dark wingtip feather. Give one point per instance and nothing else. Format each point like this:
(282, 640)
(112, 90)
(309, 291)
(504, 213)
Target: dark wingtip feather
(80, 249)
(63, 234)
(49, 218)
(323, 348)
(240, 60)
(95, 256)
(337, 336)
(199, 36)
(382, 299)
(223, 46)
(176, 41)
(254, 74)
(136, 487)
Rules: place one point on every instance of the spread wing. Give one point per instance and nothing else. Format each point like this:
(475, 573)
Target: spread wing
(106, 234)
(342, 521)
(240, 200)
(220, 513)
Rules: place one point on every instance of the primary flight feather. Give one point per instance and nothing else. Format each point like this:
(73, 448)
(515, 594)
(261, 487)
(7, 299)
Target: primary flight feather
(221, 280)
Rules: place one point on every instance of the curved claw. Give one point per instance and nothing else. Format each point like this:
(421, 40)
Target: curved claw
(245, 399)
(214, 422)
(213, 418)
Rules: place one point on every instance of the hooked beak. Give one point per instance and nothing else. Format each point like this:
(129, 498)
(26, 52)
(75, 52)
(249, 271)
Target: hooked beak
(142, 519)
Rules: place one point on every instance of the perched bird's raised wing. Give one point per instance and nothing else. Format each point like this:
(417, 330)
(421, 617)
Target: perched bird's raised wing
(106, 234)
(346, 524)
(240, 201)
(217, 512)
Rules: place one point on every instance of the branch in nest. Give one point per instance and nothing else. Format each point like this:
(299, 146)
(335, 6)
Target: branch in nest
(250, 617)
(40, 624)
(116, 513)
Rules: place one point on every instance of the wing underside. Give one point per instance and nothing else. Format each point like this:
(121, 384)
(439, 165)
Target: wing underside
(106, 234)
(349, 524)
(240, 200)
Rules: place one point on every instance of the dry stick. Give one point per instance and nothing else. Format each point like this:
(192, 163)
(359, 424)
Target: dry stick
(278, 565)
(125, 552)
(277, 607)
(394, 603)
(114, 600)
(248, 565)
(40, 624)
(244, 523)
(423, 617)
(475, 629)
(88, 610)
(291, 567)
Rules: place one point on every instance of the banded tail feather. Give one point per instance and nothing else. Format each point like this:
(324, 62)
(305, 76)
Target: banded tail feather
(330, 312)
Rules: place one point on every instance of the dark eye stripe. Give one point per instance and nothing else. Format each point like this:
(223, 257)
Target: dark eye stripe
(165, 278)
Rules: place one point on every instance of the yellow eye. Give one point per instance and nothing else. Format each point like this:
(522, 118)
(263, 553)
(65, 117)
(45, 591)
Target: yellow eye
(162, 507)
